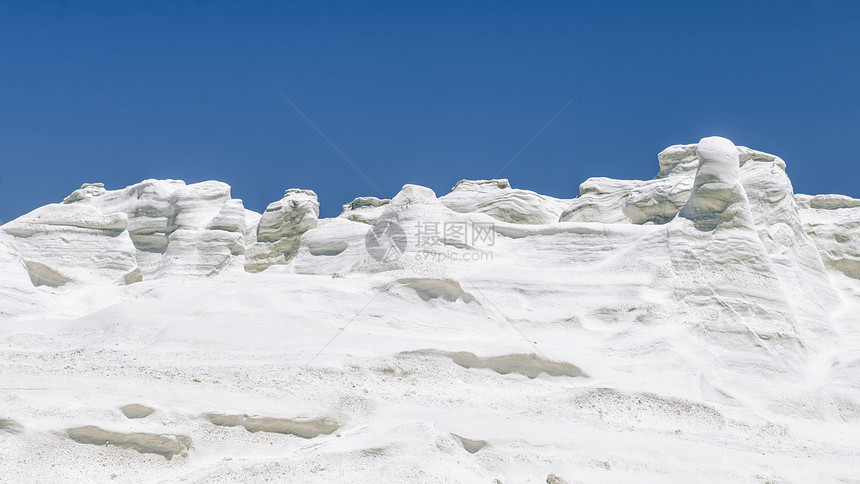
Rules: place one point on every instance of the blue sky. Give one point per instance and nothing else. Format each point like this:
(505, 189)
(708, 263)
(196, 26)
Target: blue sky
(411, 92)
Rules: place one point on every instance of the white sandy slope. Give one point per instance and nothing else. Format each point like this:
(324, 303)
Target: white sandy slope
(702, 326)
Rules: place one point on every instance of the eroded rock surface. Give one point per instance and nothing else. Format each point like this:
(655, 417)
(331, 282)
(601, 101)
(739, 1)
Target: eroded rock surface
(280, 229)
(164, 445)
(306, 429)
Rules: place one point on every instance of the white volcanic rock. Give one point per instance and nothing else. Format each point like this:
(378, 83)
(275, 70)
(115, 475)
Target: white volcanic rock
(423, 227)
(280, 228)
(586, 348)
(252, 220)
(366, 210)
(61, 243)
(833, 223)
(828, 202)
(429, 223)
(208, 233)
(738, 307)
(415, 233)
(746, 154)
(600, 200)
(419, 217)
(793, 254)
(177, 229)
(717, 185)
(677, 160)
(760, 241)
(749, 189)
(86, 192)
(497, 199)
(17, 294)
(149, 206)
(334, 246)
(659, 200)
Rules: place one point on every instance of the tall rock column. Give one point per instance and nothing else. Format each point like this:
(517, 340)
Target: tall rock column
(717, 184)
(727, 290)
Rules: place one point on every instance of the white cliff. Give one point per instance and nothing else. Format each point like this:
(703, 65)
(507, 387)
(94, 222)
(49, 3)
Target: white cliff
(632, 333)
(833, 223)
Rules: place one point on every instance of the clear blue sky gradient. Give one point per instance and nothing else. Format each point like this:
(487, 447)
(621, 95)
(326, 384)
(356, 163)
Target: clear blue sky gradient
(424, 93)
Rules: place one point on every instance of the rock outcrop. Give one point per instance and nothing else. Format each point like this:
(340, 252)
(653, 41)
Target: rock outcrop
(708, 310)
(717, 185)
(156, 228)
(61, 243)
(364, 209)
(600, 200)
(833, 223)
(722, 206)
(18, 295)
(177, 229)
(497, 199)
(280, 229)
(659, 200)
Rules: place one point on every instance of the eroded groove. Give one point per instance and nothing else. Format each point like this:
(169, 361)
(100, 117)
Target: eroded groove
(166, 445)
(427, 289)
(306, 429)
(530, 365)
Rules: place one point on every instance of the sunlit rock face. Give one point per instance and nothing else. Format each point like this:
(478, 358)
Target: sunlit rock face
(717, 184)
(74, 243)
(280, 229)
(158, 228)
(659, 200)
(833, 223)
(600, 200)
(176, 229)
(18, 294)
(497, 199)
(364, 209)
(501, 333)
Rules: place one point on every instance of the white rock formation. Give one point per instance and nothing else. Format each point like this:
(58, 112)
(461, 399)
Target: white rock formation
(430, 224)
(631, 333)
(659, 200)
(280, 229)
(61, 243)
(717, 195)
(158, 228)
(335, 246)
(177, 229)
(833, 222)
(497, 199)
(364, 209)
(18, 296)
(600, 200)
